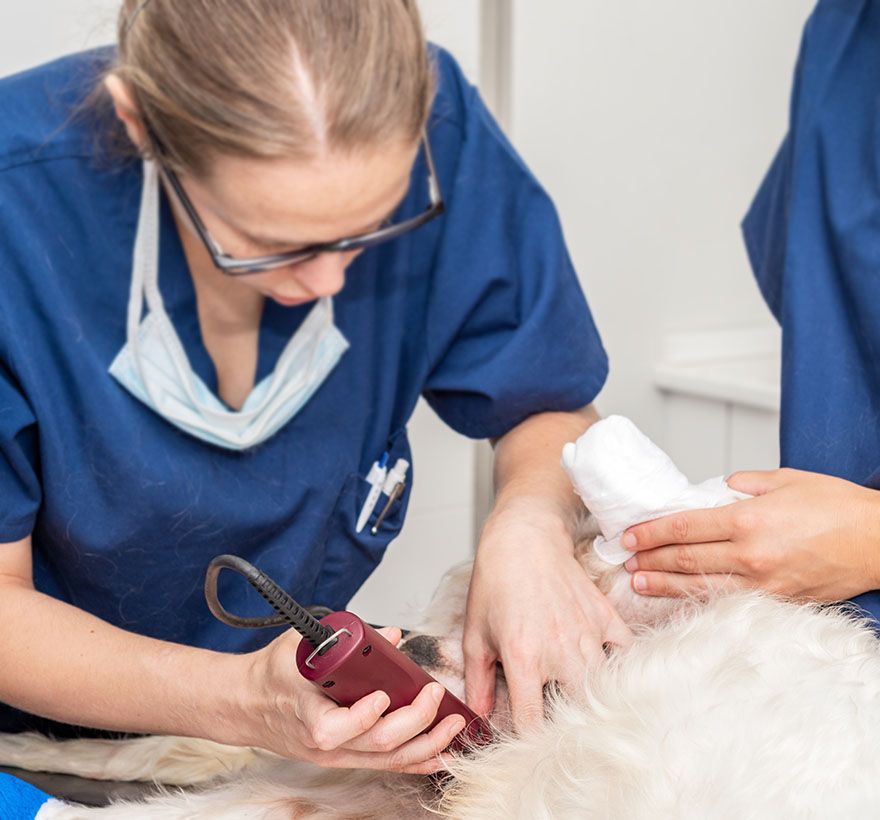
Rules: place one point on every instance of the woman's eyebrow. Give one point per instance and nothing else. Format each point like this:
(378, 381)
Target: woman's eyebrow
(271, 242)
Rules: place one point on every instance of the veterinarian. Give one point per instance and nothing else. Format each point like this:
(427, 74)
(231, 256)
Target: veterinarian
(234, 252)
(813, 237)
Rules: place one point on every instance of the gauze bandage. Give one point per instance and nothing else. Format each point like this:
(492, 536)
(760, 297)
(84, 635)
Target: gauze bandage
(625, 479)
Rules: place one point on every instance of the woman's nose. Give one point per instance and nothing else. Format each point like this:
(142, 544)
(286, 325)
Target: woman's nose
(324, 275)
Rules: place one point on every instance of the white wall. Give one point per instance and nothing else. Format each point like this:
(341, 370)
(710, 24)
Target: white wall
(651, 124)
(455, 24)
(39, 30)
(36, 31)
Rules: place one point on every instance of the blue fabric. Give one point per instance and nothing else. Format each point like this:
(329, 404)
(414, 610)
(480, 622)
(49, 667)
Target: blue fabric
(480, 311)
(813, 236)
(19, 800)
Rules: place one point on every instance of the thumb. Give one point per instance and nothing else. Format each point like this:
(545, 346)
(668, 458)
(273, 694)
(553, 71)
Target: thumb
(391, 633)
(756, 482)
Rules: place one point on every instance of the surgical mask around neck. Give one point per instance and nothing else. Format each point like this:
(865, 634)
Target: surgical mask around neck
(153, 366)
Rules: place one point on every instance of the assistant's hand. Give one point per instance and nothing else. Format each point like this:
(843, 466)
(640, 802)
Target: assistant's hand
(532, 606)
(804, 535)
(292, 718)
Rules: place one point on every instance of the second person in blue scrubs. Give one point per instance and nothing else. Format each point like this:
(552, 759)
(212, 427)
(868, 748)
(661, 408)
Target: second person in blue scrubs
(193, 362)
(813, 236)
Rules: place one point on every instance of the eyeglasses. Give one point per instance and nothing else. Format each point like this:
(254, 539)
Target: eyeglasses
(235, 266)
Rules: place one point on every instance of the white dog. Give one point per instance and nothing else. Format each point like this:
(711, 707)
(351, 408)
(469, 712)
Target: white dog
(745, 706)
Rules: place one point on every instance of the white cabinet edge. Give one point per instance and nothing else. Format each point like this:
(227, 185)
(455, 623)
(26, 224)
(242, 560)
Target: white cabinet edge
(739, 365)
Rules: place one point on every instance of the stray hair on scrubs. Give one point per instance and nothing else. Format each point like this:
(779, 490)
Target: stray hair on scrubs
(272, 78)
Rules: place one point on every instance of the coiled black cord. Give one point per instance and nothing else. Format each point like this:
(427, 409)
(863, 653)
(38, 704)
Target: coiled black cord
(289, 611)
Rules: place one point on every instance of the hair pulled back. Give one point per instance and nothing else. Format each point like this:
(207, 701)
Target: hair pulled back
(271, 78)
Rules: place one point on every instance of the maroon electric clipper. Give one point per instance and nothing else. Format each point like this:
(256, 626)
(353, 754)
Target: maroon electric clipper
(343, 656)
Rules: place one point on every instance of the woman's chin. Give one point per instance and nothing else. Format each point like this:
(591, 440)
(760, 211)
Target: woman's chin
(290, 301)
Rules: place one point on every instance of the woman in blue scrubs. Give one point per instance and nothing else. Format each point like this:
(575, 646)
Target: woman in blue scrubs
(204, 348)
(813, 236)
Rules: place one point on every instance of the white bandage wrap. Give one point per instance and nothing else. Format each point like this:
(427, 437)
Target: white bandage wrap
(625, 479)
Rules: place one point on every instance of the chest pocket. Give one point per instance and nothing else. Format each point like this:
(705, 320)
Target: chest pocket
(349, 556)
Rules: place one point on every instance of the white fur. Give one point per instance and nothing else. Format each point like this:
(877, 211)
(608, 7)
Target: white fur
(174, 761)
(745, 707)
(285, 790)
(749, 707)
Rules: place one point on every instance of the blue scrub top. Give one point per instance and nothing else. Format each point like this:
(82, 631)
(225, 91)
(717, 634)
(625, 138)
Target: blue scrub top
(480, 311)
(813, 236)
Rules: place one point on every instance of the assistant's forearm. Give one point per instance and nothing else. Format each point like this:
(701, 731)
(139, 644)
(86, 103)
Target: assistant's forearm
(527, 462)
(65, 664)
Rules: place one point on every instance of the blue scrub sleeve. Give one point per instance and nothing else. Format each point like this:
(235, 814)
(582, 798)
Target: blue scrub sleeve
(509, 332)
(765, 229)
(20, 492)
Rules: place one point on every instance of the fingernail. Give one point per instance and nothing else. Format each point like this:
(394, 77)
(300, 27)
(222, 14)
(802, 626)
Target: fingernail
(459, 725)
(628, 540)
(381, 700)
(632, 564)
(640, 583)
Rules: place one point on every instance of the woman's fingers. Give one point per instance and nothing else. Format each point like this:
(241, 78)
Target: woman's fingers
(677, 585)
(401, 725)
(690, 559)
(692, 527)
(328, 726)
(358, 737)
(392, 634)
(526, 690)
(435, 764)
(425, 749)
(618, 632)
(421, 755)
(757, 482)
(479, 679)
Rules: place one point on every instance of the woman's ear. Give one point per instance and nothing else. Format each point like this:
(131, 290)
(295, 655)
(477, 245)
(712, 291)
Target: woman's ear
(127, 110)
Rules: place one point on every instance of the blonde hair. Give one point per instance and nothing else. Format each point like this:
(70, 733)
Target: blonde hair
(270, 78)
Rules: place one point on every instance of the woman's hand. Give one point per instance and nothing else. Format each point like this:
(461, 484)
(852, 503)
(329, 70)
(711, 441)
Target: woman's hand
(804, 535)
(289, 716)
(532, 606)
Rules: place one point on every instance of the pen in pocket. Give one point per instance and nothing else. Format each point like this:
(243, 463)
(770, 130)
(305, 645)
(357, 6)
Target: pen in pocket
(376, 480)
(393, 487)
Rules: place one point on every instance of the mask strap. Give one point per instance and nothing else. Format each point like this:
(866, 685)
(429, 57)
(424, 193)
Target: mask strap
(145, 285)
(145, 242)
